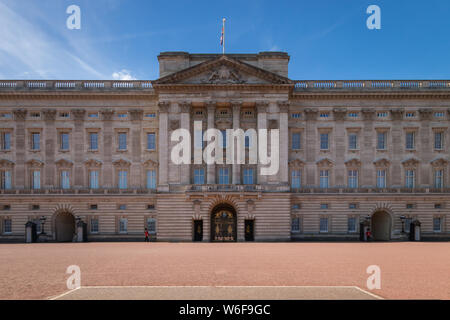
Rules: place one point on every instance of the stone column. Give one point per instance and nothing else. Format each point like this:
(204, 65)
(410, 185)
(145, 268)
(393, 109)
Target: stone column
(50, 145)
(339, 147)
(107, 168)
(261, 108)
(283, 107)
(185, 108)
(211, 169)
(21, 147)
(163, 143)
(236, 105)
(310, 146)
(78, 142)
(397, 146)
(136, 147)
(367, 149)
(425, 148)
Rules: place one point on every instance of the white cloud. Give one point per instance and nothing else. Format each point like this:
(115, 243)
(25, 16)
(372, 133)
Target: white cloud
(123, 75)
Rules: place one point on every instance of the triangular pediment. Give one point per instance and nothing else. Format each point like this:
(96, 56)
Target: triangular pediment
(223, 71)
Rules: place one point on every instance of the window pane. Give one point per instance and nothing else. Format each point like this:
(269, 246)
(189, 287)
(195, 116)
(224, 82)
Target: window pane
(296, 179)
(93, 141)
(64, 141)
(323, 224)
(36, 180)
(295, 224)
(151, 142)
(410, 140)
(381, 179)
(248, 176)
(7, 226)
(438, 179)
(353, 141)
(65, 183)
(199, 176)
(123, 225)
(353, 178)
(151, 179)
(381, 140)
(35, 142)
(324, 178)
(324, 141)
(223, 176)
(438, 140)
(122, 141)
(296, 141)
(93, 179)
(352, 224)
(436, 224)
(94, 225)
(151, 225)
(122, 179)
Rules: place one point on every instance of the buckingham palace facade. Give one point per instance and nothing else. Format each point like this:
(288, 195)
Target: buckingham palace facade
(95, 156)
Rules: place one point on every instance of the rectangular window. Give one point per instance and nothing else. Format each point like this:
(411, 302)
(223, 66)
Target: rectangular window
(410, 178)
(323, 224)
(324, 175)
(247, 141)
(93, 179)
(35, 141)
(382, 114)
(352, 224)
(439, 140)
(324, 206)
(123, 184)
(437, 224)
(93, 115)
(36, 180)
(353, 178)
(64, 143)
(65, 180)
(150, 115)
(439, 114)
(122, 141)
(296, 115)
(381, 178)
(296, 179)
(353, 141)
(93, 141)
(223, 176)
(439, 178)
(224, 138)
(94, 225)
(151, 225)
(199, 176)
(408, 224)
(151, 141)
(353, 206)
(122, 207)
(7, 226)
(324, 141)
(353, 114)
(248, 176)
(5, 177)
(5, 141)
(296, 145)
(381, 140)
(410, 140)
(123, 225)
(151, 179)
(410, 115)
(295, 224)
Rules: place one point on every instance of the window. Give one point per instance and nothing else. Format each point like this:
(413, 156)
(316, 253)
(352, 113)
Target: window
(151, 141)
(408, 224)
(295, 224)
(35, 141)
(151, 225)
(323, 225)
(5, 141)
(123, 225)
(353, 114)
(351, 225)
(324, 206)
(410, 178)
(35, 115)
(353, 141)
(6, 207)
(438, 206)
(381, 178)
(439, 114)
(248, 176)
(150, 115)
(410, 140)
(122, 207)
(439, 140)
(224, 138)
(382, 114)
(324, 175)
(437, 224)
(151, 179)
(296, 179)
(296, 115)
(36, 179)
(65, 181)
(122, 141)
(35, 207)
(93, 207)
(151, 207)
(122, 115)
(381, 140)
(38, 224)
(5, 180)
(353, 178)
(324, 141)
(353, 206)
(296, 145)
(5, 115)
(223, 176)
(64, 141)
(93, 179)
(93, 115)
(439, 178)
(410, 115)
(247, 141)
(7, 226)
(410, 206)
(93, 141)
(199, 176)
(324, 115)
(198, 139)
(296, 206)
(64, 115)
(123, 184)
(94, 225)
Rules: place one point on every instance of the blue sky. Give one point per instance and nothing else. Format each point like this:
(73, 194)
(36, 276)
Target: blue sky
(120, 39)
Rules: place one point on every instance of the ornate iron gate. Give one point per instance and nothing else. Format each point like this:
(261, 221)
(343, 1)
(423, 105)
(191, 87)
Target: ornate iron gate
(223, 226)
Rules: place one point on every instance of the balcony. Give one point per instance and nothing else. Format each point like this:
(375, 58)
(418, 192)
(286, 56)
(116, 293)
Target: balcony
(75, 85)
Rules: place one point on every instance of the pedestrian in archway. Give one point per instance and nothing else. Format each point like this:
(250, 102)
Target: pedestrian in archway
(146, 235)
(368, 235)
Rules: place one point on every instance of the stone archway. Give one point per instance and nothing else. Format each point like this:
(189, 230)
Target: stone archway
(381, 226)
(223, 223)
(64, 226)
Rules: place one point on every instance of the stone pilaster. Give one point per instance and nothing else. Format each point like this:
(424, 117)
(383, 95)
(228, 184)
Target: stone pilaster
(163, 143)
(367, 149)
(425, 147)
(310, 146)
(284, 141)
(185, 108)
(236, 105)
(79, 145)
(21, 147)
(211, 169)
(261, 108)
(108, 136)
(397, 146)
(340, 146)
(50, 146)
(136, 147)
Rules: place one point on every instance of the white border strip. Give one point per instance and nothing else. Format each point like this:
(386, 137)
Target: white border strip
(369, 293)
(63, 294)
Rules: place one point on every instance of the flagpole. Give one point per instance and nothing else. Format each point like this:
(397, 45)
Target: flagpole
(223, 28)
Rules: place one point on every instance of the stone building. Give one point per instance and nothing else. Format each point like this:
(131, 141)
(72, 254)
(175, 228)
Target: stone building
(353, 154)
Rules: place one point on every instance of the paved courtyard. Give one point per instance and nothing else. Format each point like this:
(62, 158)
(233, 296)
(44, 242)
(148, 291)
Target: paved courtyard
(408, 270)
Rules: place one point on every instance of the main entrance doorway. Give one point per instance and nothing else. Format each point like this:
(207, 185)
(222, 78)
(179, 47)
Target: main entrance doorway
(198, 230)
(249, 230)
(223, 224)
(381, 226)
(64, 227)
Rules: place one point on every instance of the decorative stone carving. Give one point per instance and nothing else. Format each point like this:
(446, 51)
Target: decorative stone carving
(311, 114)
(236, 106)
(224, 75)
(354, 162)
(439, 162)
(273, 124)
(35, 163)
(49, 114)
(150, 164)
(410, 162)
(368, 113)
(5, 163)
(324, 162)
(339, 113)
(107, 114)
(164, 106)
(425, 114)
(64, 163)
(174, 124)
(397, 114)
(93, 163)
(20, 114)
(283, 106)
(122, 163)
(136, 114)
(297, 163)
(78, 114)
(185, 106)
(382, 162)
(261, 106)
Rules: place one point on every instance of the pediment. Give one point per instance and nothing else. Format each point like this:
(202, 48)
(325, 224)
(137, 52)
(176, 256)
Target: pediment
(64, 163)
(222, 71)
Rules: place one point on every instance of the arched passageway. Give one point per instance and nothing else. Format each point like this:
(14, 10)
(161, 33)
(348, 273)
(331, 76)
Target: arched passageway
(64, 227)
(381, 226)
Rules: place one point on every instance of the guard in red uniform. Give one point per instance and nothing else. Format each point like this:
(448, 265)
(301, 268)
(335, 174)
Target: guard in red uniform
(146, 235)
